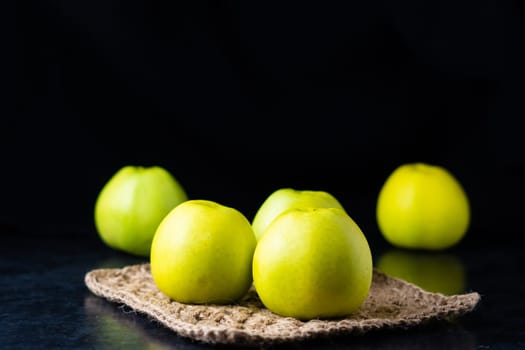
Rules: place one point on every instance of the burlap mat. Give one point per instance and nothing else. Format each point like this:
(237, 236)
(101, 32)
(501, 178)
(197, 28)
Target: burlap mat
(391, 303)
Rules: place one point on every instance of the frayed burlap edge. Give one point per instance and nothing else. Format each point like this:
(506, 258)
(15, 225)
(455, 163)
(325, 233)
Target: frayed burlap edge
(391, 303)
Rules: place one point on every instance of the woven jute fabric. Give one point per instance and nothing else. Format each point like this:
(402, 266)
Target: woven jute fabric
(391, 303)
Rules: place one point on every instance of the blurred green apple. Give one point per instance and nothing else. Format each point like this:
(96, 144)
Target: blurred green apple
(202, 253)
(422, 206)
(434, 272)
(313, 263)
(131, 205)
(288, 198)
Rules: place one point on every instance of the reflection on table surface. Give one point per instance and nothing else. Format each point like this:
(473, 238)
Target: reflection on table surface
(439, 272)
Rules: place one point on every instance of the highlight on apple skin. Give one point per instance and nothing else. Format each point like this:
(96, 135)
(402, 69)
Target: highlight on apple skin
(131, 205)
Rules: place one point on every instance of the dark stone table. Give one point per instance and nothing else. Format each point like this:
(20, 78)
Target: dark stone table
(44, 303)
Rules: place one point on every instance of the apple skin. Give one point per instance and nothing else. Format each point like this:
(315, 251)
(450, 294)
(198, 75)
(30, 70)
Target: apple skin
(131, 205)
(288, 198)
(202, 253)
(433, 271)
(313, 263)
(422, 206)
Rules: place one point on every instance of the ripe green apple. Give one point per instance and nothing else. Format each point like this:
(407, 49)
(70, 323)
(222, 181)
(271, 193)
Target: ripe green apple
(131, 205)
(202, 253)
(288, 198)
(313, 263)
(422, 206)
(432, 271)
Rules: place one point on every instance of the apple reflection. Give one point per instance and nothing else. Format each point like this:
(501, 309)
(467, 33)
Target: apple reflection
(435, 272)
(113, 326)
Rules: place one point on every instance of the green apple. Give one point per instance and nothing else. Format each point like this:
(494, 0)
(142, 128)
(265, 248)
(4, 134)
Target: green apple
(202, 253)
(313, 263)
(131, 205)
(288, 198)
(422, 206)
(432, 271)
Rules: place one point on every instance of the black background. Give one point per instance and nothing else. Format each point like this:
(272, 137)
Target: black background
(239, 99)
